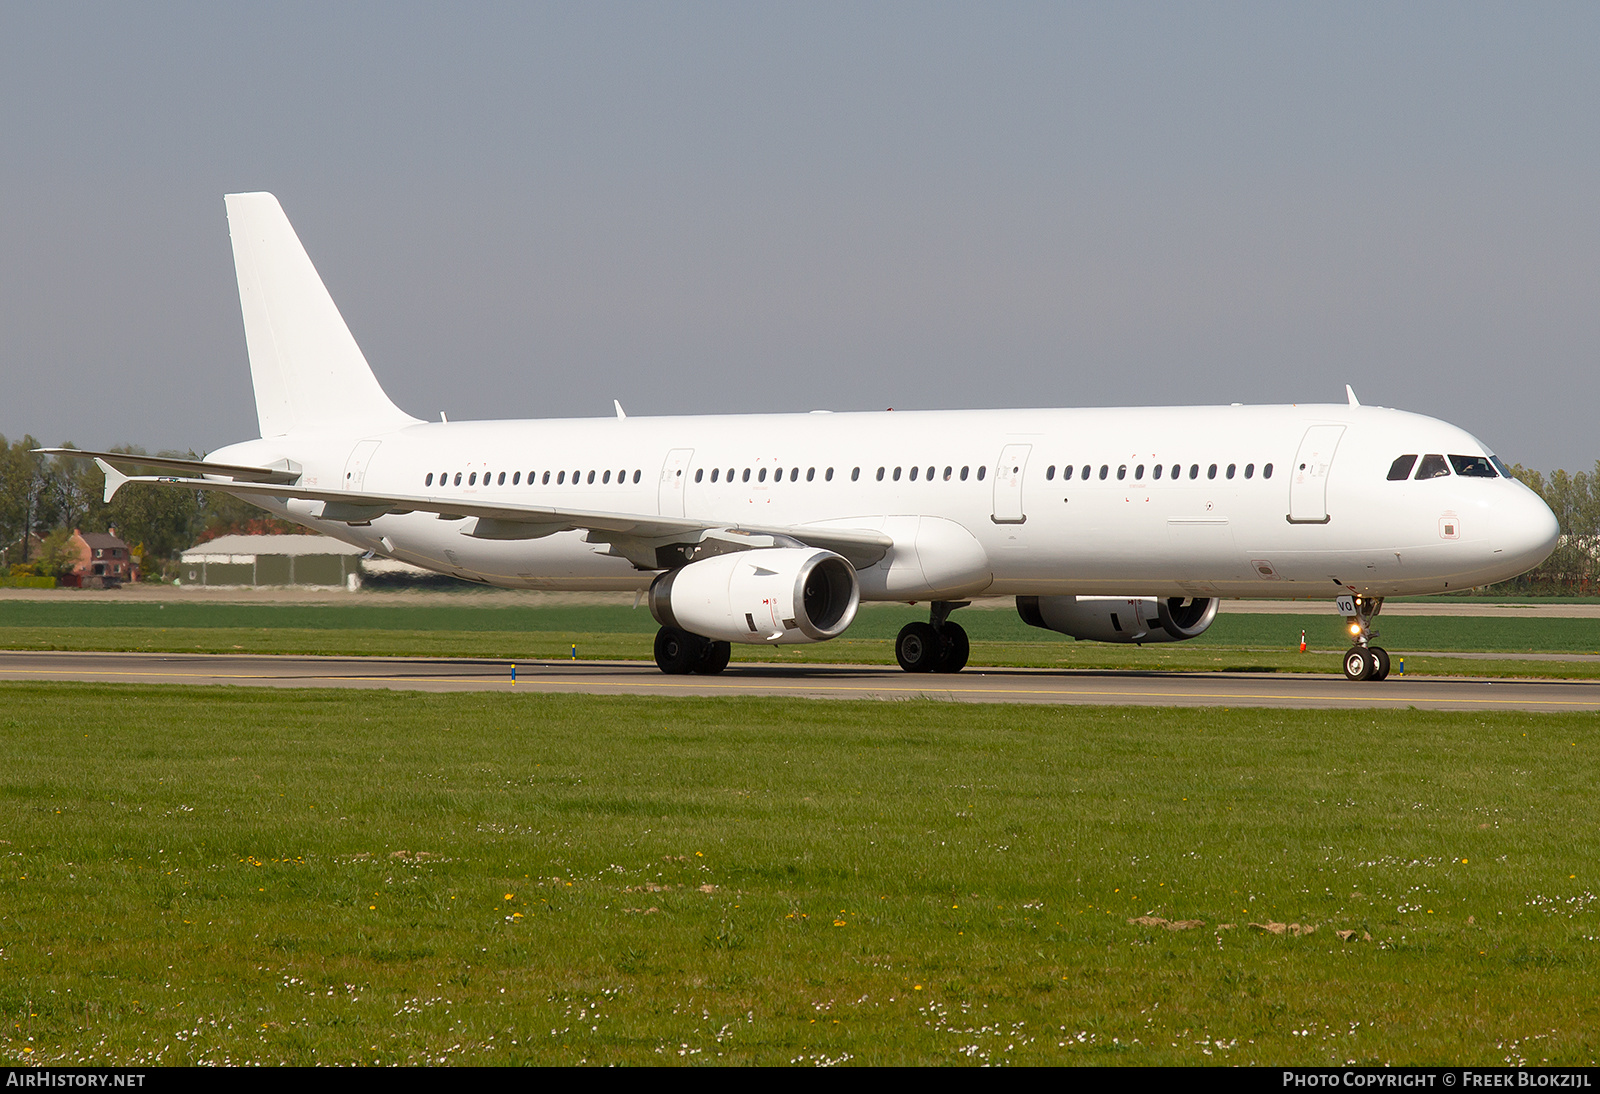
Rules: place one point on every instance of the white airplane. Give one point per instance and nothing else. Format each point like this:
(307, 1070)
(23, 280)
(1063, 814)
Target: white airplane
(1119, 525)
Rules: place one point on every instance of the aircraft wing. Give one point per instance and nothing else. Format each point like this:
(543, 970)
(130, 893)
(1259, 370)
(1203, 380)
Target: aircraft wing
(649, 541)
(239, 472)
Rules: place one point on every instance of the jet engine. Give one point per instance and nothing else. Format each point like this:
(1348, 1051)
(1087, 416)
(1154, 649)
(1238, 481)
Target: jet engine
(1119, 619)
(782, 595)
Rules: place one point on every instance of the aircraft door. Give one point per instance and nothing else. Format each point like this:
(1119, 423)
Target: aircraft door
(1308, 478)
(355, 468)
(1008, 474)
(674, 480)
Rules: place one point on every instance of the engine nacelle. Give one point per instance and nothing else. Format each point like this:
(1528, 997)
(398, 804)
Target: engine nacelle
(1119, 619)
(781, 595)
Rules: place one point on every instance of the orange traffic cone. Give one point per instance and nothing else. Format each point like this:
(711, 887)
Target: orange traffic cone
(1302, 641)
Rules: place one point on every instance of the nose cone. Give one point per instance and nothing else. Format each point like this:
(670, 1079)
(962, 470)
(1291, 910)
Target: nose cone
(1525, 531)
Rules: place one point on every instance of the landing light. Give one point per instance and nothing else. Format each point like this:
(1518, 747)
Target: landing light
(1355, 628)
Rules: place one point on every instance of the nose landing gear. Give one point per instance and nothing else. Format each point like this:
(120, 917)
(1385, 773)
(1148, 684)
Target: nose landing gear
(1364, 661)
(936, 646)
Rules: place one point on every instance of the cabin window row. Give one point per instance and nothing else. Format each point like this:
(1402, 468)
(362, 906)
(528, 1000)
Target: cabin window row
(1157, 471)
(560, 478)
(895, 474)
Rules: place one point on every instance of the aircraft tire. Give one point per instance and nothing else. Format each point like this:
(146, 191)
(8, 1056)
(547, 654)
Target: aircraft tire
(918, 647)
(714, 658)
(1380, 659)
(1359, 664)
(677, 652)
(955, 648)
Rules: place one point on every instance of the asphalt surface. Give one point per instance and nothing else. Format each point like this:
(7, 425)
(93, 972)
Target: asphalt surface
(1287, 690)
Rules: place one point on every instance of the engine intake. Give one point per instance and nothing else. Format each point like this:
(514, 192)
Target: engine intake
(1138, 619)
(781, 595)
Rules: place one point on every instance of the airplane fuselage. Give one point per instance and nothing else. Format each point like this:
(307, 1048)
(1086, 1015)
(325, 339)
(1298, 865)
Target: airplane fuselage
(1230, 501)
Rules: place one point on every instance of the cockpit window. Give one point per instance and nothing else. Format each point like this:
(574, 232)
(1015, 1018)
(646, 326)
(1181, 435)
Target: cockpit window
(1473, 467)
(1432, 467)
(1401, 467)
(1500, 466)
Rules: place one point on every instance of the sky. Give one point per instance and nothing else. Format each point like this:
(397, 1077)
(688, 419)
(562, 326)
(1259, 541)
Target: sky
(529, 210)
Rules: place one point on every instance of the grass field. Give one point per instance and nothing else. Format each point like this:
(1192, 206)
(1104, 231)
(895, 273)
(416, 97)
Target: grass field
(601, 632)
(219, 875)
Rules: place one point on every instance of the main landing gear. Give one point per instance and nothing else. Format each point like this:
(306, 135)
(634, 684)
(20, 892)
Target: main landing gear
(1364, 661)
(679, 653)
(936, 646)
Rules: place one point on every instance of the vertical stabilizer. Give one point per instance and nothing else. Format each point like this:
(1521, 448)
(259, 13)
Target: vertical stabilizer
(307, 369)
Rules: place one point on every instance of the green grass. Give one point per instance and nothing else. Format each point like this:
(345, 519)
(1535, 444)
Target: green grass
(603, 632)
(220, 875)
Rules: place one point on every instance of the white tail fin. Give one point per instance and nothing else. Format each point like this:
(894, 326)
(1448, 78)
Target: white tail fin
(307, 369)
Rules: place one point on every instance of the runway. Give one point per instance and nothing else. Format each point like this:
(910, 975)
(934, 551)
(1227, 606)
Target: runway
(1286, 690)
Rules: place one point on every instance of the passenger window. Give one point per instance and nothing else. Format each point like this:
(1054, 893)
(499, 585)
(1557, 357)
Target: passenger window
(761, 476)
(472, 479)
(1211, 472)
(897, 474)
(1400, 469)
(1194, 471)
(1104, 471)
(715, 471)
(1177, 471)
(913, 474)
(1066, 472)
(1432, 467)
(1231, 468)
(561, 477)
(930, 474)
(855, 474)
(880, 474)
(1156, 472)
(545, 481)
(699, 474)
(591, 478)
(964, 472)
(1473, 467)
(1249, 470)
(827, 475)
(516, 478)
(948, 472)
(746, 476)
(811, 474)
(981, 471)
(1266, 472)
(429, 480)
(1050, 473)
(636, 476)
(1122, 472)
(1138, 472)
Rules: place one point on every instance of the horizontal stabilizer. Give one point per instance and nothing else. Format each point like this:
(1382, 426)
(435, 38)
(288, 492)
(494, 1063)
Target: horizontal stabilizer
(237, 472)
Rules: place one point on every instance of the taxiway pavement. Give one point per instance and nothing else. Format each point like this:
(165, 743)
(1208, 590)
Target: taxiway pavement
(976, 685)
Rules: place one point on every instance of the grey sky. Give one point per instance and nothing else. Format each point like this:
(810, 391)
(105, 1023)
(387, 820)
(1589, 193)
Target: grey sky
(529, 210)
